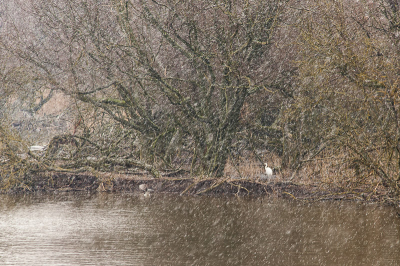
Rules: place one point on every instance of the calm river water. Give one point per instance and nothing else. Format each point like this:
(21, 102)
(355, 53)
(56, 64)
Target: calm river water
(126, 229)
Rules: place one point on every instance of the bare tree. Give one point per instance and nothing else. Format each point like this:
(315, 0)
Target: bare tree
(346, 105)
(174, 75)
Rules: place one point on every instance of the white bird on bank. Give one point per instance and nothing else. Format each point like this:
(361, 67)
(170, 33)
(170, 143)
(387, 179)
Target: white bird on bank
(143, 187)
(37, 148)
(146, 189)
(268, 171)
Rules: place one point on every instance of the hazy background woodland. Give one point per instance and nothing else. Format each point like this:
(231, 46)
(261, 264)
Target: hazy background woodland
(203, 88)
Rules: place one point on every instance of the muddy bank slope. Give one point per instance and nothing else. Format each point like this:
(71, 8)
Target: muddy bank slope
(190, 186)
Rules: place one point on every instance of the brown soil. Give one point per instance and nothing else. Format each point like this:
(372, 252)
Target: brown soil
(191, 186)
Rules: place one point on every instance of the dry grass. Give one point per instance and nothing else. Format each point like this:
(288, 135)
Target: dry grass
(331, 178)
(248, 167)
(335, 175)
(327, 174)
(12, 158)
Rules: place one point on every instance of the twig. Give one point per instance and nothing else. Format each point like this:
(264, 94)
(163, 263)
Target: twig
(212, 187)
(189, 187)
(239, 187)
(290, 195)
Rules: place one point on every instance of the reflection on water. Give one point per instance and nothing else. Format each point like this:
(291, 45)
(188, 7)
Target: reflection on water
(125, 229)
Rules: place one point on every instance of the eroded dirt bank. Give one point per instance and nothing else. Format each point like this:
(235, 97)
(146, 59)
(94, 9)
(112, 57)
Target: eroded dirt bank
(191, 186)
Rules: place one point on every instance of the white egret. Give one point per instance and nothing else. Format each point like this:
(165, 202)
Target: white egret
(268, 171)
